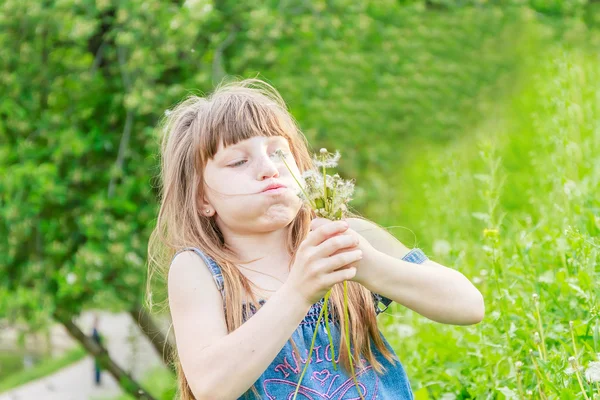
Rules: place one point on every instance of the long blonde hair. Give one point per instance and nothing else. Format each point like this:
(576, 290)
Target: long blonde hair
(192, 132)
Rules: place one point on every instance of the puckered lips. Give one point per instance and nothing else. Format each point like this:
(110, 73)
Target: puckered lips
(274, 188)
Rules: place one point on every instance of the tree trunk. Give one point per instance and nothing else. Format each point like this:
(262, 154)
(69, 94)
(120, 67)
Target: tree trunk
(156, 336)
(126, 382)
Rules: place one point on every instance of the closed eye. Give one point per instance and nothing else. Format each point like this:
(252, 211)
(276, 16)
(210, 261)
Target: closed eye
(237, 164)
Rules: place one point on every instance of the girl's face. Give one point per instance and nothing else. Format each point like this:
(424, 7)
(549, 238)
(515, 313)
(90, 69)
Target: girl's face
(238, 183)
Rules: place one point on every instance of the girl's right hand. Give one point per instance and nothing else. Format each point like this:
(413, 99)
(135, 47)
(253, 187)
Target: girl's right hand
(318, 265)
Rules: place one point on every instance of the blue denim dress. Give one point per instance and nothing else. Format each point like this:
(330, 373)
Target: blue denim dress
(321, 381)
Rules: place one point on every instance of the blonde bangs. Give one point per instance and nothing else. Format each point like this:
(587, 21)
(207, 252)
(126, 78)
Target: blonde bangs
(236, 113)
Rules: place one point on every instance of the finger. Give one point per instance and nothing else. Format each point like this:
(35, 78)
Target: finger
(340, 260)
(340, 276)
(325, 231)
(335, 243)
(317, 222)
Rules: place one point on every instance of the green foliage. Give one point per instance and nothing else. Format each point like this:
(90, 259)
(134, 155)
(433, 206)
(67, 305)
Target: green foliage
(160, 383)
(41, 369)
(514, 206)
(471, 122)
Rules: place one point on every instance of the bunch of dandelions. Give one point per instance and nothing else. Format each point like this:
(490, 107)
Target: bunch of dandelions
(328, 196)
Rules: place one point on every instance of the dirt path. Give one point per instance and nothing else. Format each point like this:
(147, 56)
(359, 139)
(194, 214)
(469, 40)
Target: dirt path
(126, 345)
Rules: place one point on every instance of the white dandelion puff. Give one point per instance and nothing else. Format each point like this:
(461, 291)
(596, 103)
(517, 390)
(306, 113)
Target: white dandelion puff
(592, 373)
(441, 247)
(326, 160)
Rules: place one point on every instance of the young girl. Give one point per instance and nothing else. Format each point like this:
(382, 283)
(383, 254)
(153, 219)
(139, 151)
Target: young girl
(248, 265)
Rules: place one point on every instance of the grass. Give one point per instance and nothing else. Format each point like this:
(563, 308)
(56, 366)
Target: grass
(515, 207)
(42, 369)
(159, 382)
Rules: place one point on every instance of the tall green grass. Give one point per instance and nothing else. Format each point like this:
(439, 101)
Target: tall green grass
(515, 206)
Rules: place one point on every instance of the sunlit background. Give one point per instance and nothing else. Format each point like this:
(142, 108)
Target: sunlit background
(472, 129)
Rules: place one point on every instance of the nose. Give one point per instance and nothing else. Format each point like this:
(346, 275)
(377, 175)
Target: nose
(267, 169)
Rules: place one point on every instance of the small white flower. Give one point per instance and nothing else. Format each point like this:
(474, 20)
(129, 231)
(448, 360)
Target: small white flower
(571, 370)
(441, 247)
(574, 366)
(71, 278)
(519, 364)
(168, 112)
(592, 373)
(404, 330)
(570, 188)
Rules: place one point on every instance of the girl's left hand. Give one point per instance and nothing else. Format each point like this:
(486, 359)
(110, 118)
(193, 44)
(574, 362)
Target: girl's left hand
(367, 249)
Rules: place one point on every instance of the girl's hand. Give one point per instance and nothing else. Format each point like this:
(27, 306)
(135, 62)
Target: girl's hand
(363, 244)
(323, 259)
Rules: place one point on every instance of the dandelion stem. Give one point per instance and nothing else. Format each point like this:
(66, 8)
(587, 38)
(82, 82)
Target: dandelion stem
(312, 345)
(299, 184)
(571, 327)
(347, 329)
(574, 365)
(519, 365)
(328, 329)
(538, 376)
(325, 183)
(539, 320)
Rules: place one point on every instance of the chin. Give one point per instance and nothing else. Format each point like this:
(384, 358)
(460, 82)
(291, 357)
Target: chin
(277, 216)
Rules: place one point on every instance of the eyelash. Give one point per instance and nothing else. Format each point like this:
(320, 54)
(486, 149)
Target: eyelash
(238, 164)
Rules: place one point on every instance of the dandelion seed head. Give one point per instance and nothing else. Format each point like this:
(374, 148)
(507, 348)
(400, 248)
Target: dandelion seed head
(592, 373)
(327, 160)
(536, 338)
(323, 150)
(536, 297)
(519, 365)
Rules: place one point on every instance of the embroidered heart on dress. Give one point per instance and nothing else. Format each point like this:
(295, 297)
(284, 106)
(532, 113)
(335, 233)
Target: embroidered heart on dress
(321, 376)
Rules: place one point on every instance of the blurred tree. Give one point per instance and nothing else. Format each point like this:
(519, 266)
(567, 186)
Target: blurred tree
(84, 83)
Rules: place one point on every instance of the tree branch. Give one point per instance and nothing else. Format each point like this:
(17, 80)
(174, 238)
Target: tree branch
(101, 355)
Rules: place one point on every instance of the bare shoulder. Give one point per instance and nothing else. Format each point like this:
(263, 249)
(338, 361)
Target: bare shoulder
(378, 237)
(187, 274)
(195, 304)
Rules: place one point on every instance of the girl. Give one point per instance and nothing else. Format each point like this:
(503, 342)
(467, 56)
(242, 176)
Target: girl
(248, 266)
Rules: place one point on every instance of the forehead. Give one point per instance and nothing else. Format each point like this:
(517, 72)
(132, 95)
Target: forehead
(253, 141)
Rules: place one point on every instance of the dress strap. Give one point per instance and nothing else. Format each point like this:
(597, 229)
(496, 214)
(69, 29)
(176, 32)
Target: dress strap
(214, 268)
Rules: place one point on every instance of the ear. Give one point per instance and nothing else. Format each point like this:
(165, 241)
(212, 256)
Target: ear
(206, 208)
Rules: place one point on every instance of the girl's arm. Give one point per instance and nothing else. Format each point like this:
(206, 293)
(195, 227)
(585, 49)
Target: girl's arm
(437, 292)
(218, 365)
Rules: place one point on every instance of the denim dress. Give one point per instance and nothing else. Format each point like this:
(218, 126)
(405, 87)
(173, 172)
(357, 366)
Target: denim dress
(321, 380)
